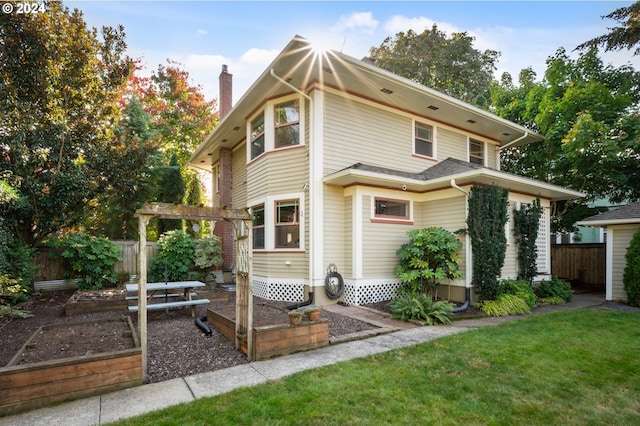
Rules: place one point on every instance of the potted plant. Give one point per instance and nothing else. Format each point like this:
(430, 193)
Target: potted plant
(295, 316)
(312, 313)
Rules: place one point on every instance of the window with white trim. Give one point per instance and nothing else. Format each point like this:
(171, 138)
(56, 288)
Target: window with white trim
(287, 224)
(423, 140)
(476, 152)
(258, 226)
(287, 124)
(257, 136)
(386, 208)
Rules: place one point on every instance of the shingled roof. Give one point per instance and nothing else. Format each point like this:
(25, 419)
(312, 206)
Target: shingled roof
(625, 214)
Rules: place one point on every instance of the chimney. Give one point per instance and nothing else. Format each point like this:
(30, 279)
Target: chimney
(226, 92)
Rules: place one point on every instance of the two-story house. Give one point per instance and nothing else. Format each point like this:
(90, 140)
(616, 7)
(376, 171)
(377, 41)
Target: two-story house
(338, 159)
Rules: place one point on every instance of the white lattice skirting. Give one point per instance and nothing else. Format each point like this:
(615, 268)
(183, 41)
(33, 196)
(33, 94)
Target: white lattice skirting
(365, 291)
(282, 289)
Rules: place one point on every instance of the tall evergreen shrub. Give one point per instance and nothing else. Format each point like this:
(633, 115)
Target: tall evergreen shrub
(485, 225)
(526, 222)
(631, 274)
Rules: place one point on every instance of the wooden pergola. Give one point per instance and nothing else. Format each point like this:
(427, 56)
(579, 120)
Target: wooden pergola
(242, 221)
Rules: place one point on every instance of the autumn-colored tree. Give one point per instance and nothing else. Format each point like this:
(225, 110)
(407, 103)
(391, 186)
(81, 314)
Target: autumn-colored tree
(60, 87)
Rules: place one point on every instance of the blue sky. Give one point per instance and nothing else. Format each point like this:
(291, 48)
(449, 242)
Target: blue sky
(247, 35)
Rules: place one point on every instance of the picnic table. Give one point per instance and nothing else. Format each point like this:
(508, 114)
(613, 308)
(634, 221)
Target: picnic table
(174, 293)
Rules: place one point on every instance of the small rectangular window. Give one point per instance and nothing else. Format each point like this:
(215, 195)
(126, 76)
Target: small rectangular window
(287, 226)
(257, 136)
(423, 140)
(476, 152)
(287, 125)
(391, 209)
(258, 227)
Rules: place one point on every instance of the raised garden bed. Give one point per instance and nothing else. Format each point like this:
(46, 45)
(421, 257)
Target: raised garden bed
(71, 364)
(87, 301)
(276, 339)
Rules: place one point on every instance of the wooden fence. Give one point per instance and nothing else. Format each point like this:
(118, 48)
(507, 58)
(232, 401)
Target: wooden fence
(580, 263)
(49, 263)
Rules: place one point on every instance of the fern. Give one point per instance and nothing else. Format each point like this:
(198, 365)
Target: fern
(421, 307)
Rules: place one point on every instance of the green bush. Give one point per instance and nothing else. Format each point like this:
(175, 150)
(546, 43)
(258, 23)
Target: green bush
(631, 274)
(176, 252)
(421, 307)
(520, 288)
(505, 304)
(556, 288)
(208, 252)
(90, 260)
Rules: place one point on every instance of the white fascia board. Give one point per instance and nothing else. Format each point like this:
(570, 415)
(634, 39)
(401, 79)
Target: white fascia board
(610, 222)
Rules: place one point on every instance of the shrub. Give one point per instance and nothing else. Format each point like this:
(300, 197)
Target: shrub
(631, 274)
(90, 260)
(422, 308)
(520, 288)
(208, 252)
(526, 222)
(556, 288)
(430, 255)
(505, 304)
(176, 251)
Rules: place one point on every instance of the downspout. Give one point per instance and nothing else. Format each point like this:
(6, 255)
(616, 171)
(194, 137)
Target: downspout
(311, 181)
(500, 148)
(467, 287)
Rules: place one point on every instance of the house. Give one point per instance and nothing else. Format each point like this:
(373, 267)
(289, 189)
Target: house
(338, 159)
(621, 224)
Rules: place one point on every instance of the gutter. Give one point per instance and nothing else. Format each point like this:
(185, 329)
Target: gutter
(526, 133)
(467, 242)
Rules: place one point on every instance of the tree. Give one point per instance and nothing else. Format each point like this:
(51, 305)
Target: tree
(60, 88)
(588, 113)
(448, 64)
(622, 37)
(171, 189)
(631, 274)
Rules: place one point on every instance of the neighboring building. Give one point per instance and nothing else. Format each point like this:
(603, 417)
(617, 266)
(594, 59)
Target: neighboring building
(338, 159)
(620, 224)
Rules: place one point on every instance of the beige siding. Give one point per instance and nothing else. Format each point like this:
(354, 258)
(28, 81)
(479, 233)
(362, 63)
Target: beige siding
(492, 155)
(334, 226)
(451, 144)
(622, 236)
(282, 171)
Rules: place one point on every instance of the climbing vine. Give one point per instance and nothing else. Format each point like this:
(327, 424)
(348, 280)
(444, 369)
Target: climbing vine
(631, 274)
(485, 225)
(526, 222)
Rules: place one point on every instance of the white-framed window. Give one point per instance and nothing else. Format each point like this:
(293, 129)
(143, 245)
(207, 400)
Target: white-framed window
(278, 222)
(391, 209)
(287, 224)
(256, 136)
(476, 152)
(258, 226)
(423, 140)
(287, 124)
(277, 126)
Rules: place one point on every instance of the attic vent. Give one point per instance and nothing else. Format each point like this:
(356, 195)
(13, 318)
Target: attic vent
(387, 91)
(327, 69)
(471, 121)
(433, 107)
(236, 128)
(288, 79)
(224, 140)
(210, 154)
(506, 134)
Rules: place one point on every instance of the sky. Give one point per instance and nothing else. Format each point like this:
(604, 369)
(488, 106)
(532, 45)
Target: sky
(248, 35)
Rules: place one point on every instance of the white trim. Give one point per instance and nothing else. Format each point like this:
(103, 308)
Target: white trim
(316, 195)
(609, 265)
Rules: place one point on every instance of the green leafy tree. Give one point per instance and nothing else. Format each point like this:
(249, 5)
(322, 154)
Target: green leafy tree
(625, 36)
(448, 64)
(485, 226)
(60, 86)
(176, 251)
(171, 189)
(631, 274)
(430, 255)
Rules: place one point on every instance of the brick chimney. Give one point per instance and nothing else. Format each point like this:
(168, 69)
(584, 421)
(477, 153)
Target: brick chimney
(224, 229)
(226, 92)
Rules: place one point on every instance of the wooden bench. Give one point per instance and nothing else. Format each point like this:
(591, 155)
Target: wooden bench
(167, 305)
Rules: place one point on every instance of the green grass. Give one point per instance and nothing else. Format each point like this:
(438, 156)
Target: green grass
(573, 368)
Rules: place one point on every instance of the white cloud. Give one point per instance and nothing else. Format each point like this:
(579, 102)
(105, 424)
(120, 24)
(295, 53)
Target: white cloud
(359, 21)
(200, 31)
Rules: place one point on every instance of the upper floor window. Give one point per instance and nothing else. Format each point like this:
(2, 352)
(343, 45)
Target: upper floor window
(287, 124)
(257, 136)
(391, 209)
(258, 227)
(287, 224)
(476, 152)
(423, 140)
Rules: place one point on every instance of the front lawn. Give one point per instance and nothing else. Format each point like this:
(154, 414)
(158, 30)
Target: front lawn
(573, 368)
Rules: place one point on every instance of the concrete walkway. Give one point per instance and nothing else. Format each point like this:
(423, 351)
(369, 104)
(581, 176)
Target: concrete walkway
(142, 399)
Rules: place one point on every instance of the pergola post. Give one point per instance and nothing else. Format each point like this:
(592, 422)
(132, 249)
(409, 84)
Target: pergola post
(143, 221)
(244, 286)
